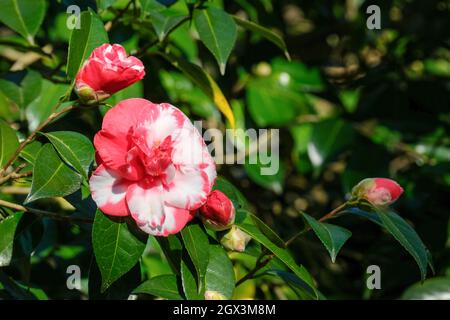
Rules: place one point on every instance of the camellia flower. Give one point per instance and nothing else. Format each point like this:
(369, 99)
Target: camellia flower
(107, 71)
(218, 211)
(153, 164)
(378, 191)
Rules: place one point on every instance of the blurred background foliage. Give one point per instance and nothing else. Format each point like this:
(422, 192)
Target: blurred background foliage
(350, 103)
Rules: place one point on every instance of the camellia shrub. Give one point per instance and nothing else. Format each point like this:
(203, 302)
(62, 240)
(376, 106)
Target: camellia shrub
(117, 177)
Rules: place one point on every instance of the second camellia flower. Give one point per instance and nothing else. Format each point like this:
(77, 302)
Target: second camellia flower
(153, 164)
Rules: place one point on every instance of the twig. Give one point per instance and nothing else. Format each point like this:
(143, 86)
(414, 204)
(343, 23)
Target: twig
(31, 137)
(260, 263)
(43, 213)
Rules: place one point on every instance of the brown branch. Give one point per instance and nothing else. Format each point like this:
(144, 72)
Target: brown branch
(31, 137)
(43, 213)
(260, 263)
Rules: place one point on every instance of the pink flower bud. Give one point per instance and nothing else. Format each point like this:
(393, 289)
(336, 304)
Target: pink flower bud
(378, 191)
(235, 239)
(218, 211)
(107, 71)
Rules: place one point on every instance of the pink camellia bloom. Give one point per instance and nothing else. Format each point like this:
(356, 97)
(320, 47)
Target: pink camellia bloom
(107, 71)
(152, 164)
(218, 211)
(378, 191)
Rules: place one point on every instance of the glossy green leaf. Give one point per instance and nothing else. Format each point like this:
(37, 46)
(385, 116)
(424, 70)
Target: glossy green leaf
(164, 286)
(23, 16)
(265, 32)
(297, 284)
(119, 290)
(267, 231)
(8, 228)
(407, 237)
(117, 247)
(272, 102)
(172, 248)
(74, 148)
(188, 280)
(8, 143)
(51, 176)
(431, 289)
(104, 4)
(327, 139)
(220, 274)
(163, 22)
(333, 237)
(89, 36)
(243, 221)
(217, 31)
(197, 245)
(40, 108)
(30, 152)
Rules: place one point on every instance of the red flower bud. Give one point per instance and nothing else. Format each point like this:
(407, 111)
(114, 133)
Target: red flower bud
(378, 191)
(218, 211)
(107, 71)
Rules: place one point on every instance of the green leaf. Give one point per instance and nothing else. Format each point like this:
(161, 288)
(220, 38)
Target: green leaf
(41, 107)
(431, 289)
(327, 139)
(163, 22)
(91, 35)
(51, 176)
(23, 16)
(30, 152)
(217, 30)
(117, 247)
(189, 281)
(297, 284)
(119, 290)
(220, 274)
(407, 237)
(267, 231)
(266, 33)
(74, 148)
(8, 142)
(164, 286)
(171, 247)
(243, 221)
(8, 229)
(104, 4)
(333, 237)
(202, 79)
(266, 95)
(31, 87)
(196, 243)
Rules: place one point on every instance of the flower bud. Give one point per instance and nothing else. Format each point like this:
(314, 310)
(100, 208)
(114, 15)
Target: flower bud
(218, 211)
(235, 239)
(107, 71)
(214, 295)
(378, 191)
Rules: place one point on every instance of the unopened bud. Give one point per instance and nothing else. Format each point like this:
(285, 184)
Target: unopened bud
(218, 211)
(235, 239)
(378, 191)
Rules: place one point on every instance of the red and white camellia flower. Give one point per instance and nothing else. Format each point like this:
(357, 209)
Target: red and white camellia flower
(107, 71)
(153, 164)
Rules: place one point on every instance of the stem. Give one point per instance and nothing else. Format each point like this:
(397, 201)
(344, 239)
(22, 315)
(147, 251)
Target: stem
(42, 213)
(31, 137)
(260, 263)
